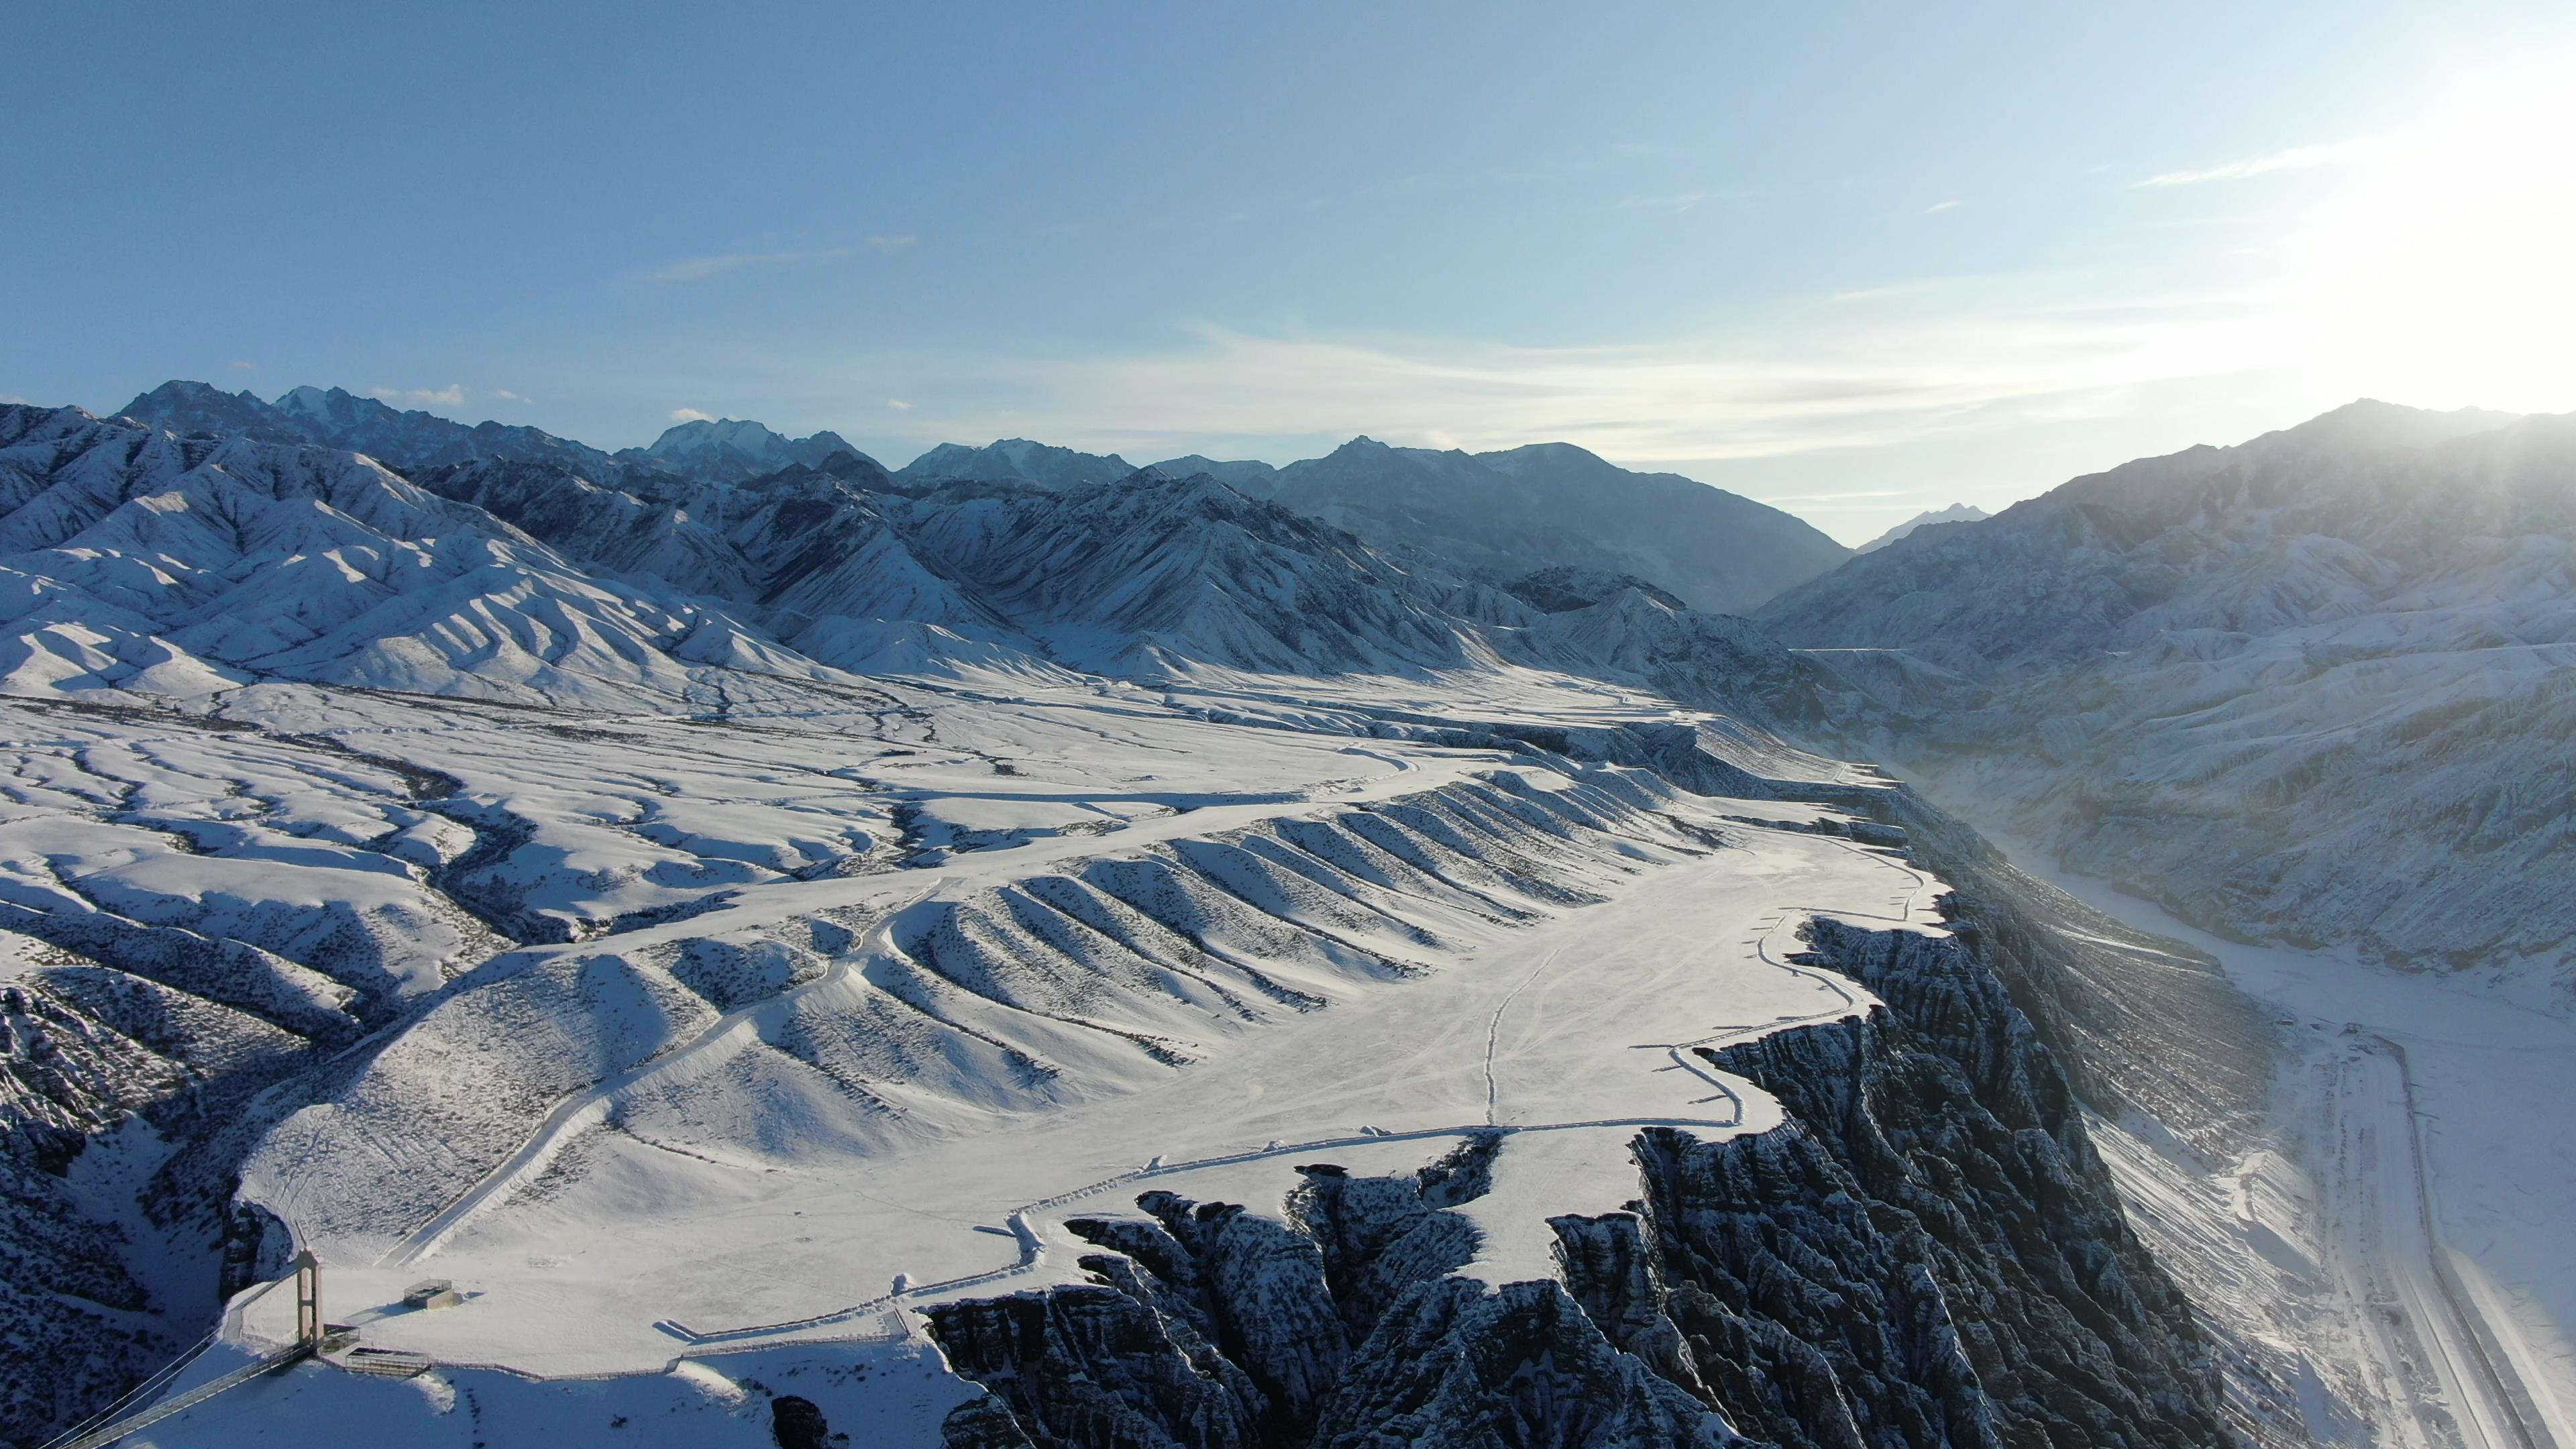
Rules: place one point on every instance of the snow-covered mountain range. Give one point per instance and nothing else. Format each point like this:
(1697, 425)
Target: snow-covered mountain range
(2313, 688)
(155, 564)
(1493, 516)
(1022, 950)
(335, 418)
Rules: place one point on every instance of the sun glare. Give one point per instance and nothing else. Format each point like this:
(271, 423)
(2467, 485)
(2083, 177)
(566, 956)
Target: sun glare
(2448, 278)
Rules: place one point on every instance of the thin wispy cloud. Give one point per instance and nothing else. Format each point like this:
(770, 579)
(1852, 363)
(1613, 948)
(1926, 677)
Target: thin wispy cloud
(243, 366)
(691, 415)
(1972, 355)
(1938, 207)
(450, 396)
(1670, 204)
(891, 244)
(505, 395)
(2297, 158)
(11, 399)
(898, 404)
(698, 269)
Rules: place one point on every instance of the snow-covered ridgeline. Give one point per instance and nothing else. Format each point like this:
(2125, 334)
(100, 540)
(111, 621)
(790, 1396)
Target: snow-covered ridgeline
(149, 565)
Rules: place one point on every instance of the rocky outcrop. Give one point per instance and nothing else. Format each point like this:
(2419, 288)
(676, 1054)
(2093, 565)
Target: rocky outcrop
(1343, 1325)
(1928, 1253)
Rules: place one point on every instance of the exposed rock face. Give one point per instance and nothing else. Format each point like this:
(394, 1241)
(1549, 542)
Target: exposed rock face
(74, 1315)
(1213, 1327)
(1933, 1235)
(1928, 1253)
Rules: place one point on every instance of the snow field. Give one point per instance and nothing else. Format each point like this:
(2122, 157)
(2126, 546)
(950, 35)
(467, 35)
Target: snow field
(720, 1197)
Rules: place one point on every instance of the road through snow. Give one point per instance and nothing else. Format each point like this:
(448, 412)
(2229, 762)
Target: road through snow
(2390, 1254)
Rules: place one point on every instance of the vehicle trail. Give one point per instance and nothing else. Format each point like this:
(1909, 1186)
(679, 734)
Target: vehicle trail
(2494, 1409)
(1493, 1032)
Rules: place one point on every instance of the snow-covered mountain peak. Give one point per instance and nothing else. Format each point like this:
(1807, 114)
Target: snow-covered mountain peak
(2368, 423)
(1505, 514)
(337, 418)
(1955, 513)
(1515, 462)
(1014, 460)
(1248, 475)
(733, 449)
(310, 401)
(197, 407)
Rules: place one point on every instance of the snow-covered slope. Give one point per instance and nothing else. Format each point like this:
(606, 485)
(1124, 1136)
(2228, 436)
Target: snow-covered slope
(2312, 689)
(140, 562)
(1955, 513)
(808, 1038)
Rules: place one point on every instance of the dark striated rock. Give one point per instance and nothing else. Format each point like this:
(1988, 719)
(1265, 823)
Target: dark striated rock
(1932, 1236)
(1091, 1366)
(798, 1423)
(1457, 1363)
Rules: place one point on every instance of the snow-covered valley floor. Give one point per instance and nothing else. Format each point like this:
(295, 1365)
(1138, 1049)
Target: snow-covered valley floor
(652, 1173)
(2403, 1225)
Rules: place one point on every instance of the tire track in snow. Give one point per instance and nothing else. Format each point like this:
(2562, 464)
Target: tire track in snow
(2496, 1411)
(1493, 1030)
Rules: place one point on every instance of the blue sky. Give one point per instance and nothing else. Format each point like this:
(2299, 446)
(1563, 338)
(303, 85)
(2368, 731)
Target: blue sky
(1854, 260)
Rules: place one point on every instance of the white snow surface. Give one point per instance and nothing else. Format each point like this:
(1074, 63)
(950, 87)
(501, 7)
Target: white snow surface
(765, 1068)
(1044, 1053)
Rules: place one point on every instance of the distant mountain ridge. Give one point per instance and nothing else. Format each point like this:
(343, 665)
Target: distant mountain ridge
(730, 449)
(336, 418)
(1505, 514)
(1500, 515)
(505, 578)
(1014, 460)
(1955, 513)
